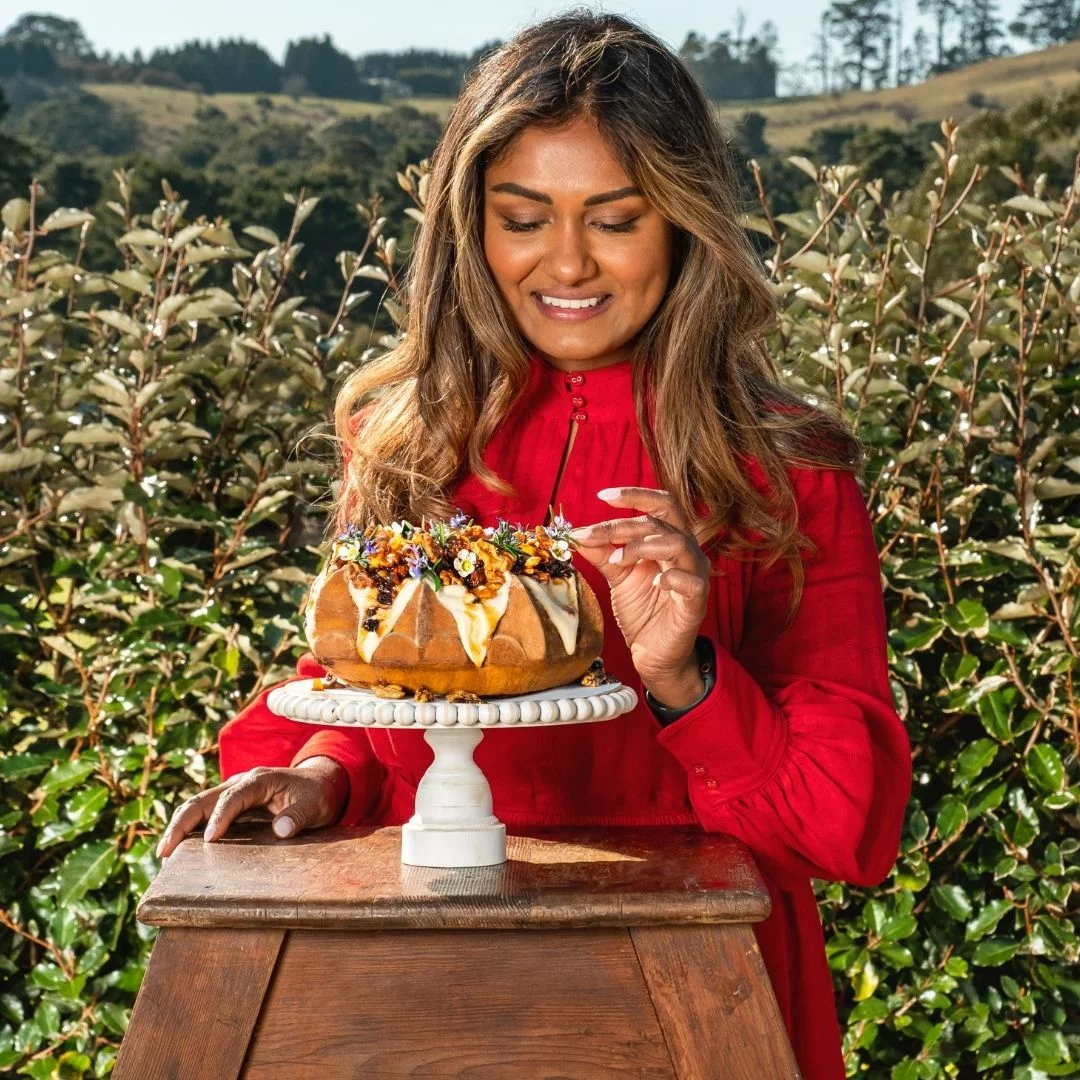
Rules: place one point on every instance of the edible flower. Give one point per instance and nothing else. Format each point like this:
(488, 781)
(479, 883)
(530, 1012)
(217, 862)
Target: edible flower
(347, 550)
(458, 520)
(465, 562)
(416, 561)
(560, 549)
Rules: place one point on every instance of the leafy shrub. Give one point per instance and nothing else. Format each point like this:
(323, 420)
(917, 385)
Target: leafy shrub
(157, 533)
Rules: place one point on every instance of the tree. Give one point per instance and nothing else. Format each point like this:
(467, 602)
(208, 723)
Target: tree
(329, 72)
(863, 27)
(230, 66)
(62, 37)
(943, 12)
(735, 67)
(982, 30)
(1047, 22)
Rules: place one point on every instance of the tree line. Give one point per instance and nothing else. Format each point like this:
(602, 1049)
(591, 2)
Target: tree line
(861, 44)
(47, 47)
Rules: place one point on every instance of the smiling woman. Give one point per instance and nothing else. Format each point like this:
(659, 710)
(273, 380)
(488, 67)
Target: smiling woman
(585, 331)
(580, 257)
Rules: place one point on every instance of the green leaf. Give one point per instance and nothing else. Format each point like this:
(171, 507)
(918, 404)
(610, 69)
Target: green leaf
(952, 899)
(974, 758)
(994, 952)
(952, 816)
(1047, 1045)
(86, 868)
(1044, 767)
(987, 919)
(967, 617)
(65, 218)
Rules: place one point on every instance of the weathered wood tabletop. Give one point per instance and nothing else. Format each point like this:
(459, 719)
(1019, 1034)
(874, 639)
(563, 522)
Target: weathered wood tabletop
(325, 956)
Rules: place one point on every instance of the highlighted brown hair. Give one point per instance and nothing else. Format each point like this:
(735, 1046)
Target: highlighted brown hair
(707, 395)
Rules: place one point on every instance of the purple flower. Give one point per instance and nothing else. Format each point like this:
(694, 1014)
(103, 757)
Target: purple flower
(458, 520)
(352, 531)
(416, 561)
(370, 547)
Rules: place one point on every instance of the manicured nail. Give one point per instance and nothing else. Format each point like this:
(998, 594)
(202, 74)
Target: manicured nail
(284, 827)
(209, 834)
(616, 556)
(656, 580)
(607, 494)
(157, 850)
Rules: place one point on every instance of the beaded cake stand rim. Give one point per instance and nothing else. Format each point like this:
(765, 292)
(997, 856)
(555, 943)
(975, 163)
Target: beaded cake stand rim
(351, 707)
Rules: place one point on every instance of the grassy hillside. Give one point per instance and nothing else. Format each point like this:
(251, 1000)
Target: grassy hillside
(164, 112)
(1005, 82)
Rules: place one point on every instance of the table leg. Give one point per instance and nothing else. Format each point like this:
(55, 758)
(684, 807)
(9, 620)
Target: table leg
(714, 1001)
(198, 1004)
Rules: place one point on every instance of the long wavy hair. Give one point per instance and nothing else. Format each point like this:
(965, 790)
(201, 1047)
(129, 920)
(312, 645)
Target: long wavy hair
(707, 395)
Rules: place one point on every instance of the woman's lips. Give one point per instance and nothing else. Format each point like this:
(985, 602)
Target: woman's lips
(560, 314)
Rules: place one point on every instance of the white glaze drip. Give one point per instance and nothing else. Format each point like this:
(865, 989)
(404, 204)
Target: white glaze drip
(476, 619)
(559, 599)
(364, 597)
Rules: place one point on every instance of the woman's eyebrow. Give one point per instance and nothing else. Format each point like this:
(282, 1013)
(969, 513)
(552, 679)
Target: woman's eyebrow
(510, 188)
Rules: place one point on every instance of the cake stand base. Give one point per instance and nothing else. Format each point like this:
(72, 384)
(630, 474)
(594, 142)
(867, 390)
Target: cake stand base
(453, 824)
(453, 845)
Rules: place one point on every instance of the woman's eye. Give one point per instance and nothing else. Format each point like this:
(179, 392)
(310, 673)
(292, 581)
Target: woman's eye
(520, 226)
(619, 226)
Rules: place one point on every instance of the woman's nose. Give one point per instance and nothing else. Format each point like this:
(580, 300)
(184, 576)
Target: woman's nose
(569, 258)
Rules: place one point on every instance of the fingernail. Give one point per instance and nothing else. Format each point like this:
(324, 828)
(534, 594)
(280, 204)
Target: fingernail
(209, 834)
(656, 580)
(607, 493)
(580, 532)
(157, 850)
(284, 827)
(616, 556)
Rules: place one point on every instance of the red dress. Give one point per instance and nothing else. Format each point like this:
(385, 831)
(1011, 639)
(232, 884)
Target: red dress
(797, 751)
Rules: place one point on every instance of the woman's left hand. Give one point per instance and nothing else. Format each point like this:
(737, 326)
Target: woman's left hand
(659, 579)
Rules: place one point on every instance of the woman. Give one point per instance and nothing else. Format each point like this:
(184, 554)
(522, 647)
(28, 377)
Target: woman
(585, 332)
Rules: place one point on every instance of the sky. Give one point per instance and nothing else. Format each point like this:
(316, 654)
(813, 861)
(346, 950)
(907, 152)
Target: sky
(359, 26)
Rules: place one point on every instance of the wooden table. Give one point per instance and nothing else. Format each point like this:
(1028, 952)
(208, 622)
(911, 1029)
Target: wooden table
(591, 953)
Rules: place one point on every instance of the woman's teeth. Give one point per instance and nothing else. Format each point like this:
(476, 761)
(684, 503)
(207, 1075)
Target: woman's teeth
(554, 301)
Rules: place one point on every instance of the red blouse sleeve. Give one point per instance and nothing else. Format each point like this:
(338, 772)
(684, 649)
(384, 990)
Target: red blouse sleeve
(256, 736)
(798, 750)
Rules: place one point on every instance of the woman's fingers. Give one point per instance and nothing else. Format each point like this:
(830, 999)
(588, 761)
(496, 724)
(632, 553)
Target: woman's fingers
(188, 816)
(691, 588)
(653, 501)
(251, 789)
(619, 531)
(672, 548)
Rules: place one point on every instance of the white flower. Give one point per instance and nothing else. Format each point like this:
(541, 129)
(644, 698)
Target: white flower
(397, 527)
(347, 550)
(489, 531)
(561, 550)
(465, 562)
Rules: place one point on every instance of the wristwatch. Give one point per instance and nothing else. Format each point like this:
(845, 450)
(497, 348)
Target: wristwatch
(706, 659)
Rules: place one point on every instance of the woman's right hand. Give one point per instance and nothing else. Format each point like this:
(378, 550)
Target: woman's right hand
(307, 797)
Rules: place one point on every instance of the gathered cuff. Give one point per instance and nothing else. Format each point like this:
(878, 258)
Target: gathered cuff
(734, 739)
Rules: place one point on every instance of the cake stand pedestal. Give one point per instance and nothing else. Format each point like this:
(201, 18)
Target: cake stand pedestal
(453, 824)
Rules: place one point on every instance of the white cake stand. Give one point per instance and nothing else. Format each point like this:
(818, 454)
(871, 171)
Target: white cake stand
(453, 823)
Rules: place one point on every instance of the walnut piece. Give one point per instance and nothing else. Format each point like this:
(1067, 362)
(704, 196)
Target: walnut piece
(463, 697)
(422, 693)
(388, 690)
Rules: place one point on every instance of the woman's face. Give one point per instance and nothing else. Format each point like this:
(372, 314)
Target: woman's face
(580, 257)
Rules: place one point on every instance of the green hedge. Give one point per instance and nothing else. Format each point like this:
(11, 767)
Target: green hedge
(158, 527)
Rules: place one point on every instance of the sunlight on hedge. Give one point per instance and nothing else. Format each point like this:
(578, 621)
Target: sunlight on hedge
(158, 528)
